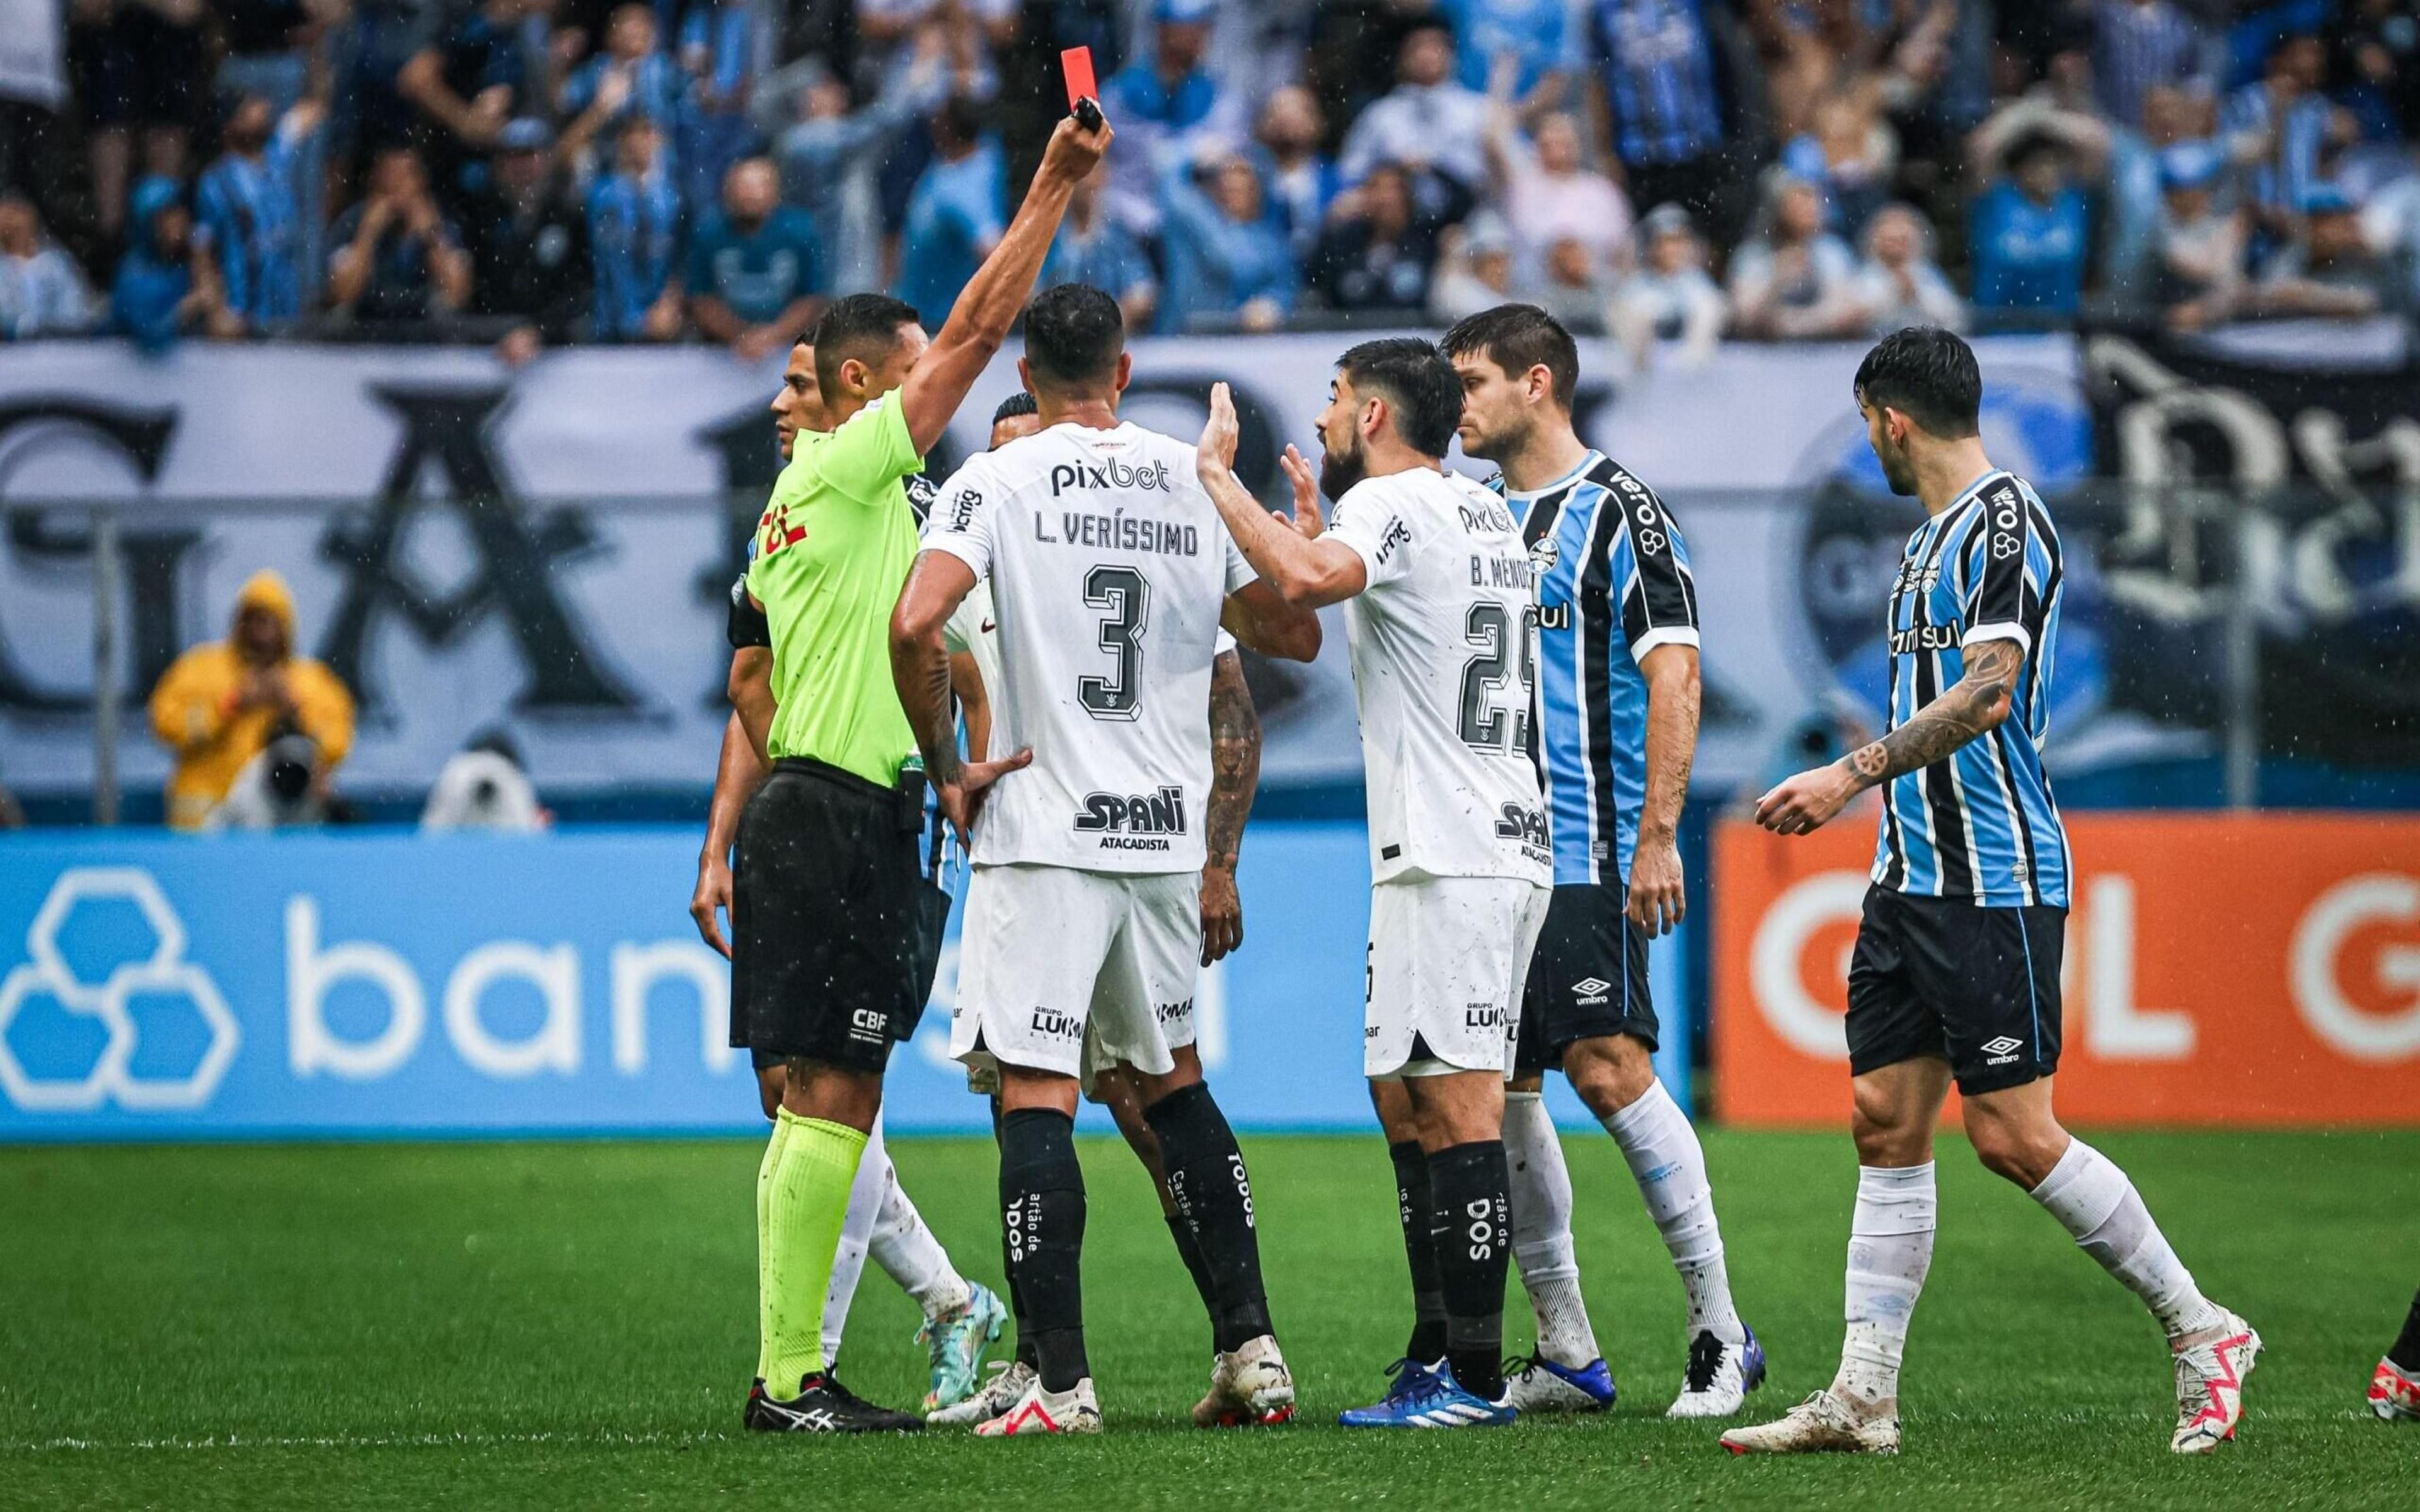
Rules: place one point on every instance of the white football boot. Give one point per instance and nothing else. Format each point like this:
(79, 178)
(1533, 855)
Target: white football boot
(2210, 1386)
(1719, 1375)
(1823, 1424)
(1537, 1384)
(1008, 1381)
(1250, 1387)
(1072, 1410)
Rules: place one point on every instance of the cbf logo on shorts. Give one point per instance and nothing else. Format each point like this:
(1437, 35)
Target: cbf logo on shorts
(43, 1070)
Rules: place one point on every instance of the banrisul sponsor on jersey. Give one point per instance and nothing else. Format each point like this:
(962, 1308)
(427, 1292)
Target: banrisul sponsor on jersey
(1134, 822)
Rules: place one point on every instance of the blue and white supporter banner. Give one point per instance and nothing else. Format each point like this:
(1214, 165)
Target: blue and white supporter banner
(384, 984)
(549, 549)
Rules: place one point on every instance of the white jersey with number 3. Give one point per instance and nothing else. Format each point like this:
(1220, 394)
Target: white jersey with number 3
(1444, 652)
(1109, 567)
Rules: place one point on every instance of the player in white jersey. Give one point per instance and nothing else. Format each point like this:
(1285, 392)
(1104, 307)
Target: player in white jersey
(1439, 605)
(1111, 575)
(973, 633)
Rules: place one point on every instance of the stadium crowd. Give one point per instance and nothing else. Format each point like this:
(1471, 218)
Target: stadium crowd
(543, 171)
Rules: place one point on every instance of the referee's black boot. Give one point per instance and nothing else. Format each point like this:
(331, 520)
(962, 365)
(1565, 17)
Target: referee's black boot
(822, 1405)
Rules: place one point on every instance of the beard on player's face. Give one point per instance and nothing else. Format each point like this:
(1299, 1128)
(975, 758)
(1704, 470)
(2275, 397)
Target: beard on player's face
(1341, 469)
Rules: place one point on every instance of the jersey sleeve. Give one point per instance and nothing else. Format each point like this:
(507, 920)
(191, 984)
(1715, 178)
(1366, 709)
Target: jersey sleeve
(1991, 594)
(1371, 522)
(746, 624)
(1649, 567)
(961, 523)
(870, 451)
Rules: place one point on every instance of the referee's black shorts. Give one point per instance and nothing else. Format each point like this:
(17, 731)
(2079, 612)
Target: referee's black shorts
(826, 920)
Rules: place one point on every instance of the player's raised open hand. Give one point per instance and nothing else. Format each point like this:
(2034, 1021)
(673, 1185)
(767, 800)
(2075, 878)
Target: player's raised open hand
(1219, 433)
(1803, 804)
(961, 796)
(1075, 150)
(1306, 517)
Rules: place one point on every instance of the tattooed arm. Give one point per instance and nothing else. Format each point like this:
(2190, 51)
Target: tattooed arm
(1973, 707)
(920, 668)
(1234, 774)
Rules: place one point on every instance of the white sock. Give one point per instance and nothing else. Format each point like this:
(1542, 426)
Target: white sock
(2095, 1201)
(1542, 1231)
(1661, 1148)
(1890, 1247)
(856, 1234)
(910, 1254)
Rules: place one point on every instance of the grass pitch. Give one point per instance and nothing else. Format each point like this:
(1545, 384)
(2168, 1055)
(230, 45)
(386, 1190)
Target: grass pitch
(572, 1325)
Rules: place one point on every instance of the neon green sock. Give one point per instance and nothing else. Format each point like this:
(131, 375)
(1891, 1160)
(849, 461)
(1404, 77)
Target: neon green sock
(765, 1171)
(809, 1199)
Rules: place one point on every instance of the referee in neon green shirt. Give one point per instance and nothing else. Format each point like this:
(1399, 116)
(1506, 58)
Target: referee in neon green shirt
(828, 963)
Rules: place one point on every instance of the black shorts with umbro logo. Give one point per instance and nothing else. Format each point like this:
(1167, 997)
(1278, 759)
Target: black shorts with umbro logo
(1942, 976)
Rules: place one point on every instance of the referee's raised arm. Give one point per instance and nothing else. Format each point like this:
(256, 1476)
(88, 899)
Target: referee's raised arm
(988, 306)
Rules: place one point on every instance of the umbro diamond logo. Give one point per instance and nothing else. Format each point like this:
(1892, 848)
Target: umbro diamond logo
(2001, 1051)
(1590, 991)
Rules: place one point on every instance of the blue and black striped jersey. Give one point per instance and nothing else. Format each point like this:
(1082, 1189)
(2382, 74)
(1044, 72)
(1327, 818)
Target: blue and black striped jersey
(1613, 584)
(1980, 823)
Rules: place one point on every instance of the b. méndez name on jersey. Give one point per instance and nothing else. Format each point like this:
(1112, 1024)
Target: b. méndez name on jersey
(1981, 823)
(1107, 566)
(1444, 654)
(1613, 584)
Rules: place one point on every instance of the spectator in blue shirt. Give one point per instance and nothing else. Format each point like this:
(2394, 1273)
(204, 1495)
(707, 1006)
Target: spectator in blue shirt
(653, 85)
(1656, 67)
(1094, 250)
(41, 289)
(250, 217)
(2142, 45)
(1301, 179)
(1538, 35)
(1229, 263)
(2029, 234)
(754, 267)
(954, 216)
(162, 289)
(634, 226)
(1167, 111)
(2280, 127)
(720, 54)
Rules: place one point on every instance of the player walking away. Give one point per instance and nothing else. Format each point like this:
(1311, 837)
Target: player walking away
(832, 947)
(1235, 765)
(961, 1318)
(1442, 626)
(1618, 727)
(1956, 963)
(2395, 1386)
(1082, 938)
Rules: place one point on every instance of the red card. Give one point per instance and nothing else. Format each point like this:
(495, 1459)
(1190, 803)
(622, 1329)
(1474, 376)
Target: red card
(1076, 63)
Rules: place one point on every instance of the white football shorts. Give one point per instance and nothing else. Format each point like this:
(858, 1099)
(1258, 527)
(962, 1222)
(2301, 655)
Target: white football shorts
(1069, 971)
(1447, 959)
